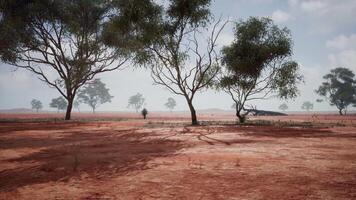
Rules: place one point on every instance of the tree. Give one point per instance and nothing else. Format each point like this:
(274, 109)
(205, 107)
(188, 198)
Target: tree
(171, 103)
(36, 104)
(70, 38)
(283, 107)
(307, 105)
(339, 88)
(144, 112)
(94, 94)
(180, 60)
(76, 104)
(258, 65)
(136, 101)
(60, 103)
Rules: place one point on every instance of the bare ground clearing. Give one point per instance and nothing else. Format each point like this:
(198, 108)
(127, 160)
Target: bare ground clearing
(136, 159)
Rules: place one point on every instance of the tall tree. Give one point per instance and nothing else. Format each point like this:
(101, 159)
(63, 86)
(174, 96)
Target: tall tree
(171, 103)
(60, 103)
(307, 105)
(283, 107)
(339, 88)
(136, 101)
(94, 94)
(258, 65)
(36, 104)
(180, 59)
(70, 38)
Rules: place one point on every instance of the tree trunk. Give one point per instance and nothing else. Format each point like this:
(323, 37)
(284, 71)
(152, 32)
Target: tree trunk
(69, 108)
(144, 116)
(241, 117)
(192, 113)
(93, 110)
(340, 112)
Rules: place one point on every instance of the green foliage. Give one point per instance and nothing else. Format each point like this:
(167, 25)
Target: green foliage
(283, 107)
(36, 104)
(135, 25)
(136, 101)
(194, 12)
(144, 112)
(307, 105)
(258, 63)
(74, 39)
(94, 94)
(60, 103)
(339, 88)
(258, 43)
(171, 103)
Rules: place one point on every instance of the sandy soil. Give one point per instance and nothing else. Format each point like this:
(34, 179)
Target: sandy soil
(137, 159)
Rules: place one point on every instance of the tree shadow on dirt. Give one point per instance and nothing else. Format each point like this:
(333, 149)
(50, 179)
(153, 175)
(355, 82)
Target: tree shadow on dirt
(95, 154)
(287, 132)
(11, 127)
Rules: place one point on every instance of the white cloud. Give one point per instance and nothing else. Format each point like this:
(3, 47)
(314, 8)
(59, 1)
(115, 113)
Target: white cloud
(346, 58)
(325, 16)
(280, 16)
(342, 42)
(311, 6)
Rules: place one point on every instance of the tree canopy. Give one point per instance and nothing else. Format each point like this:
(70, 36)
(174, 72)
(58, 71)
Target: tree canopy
(283, 107)
(136, 101)
(72, 38)
(258, 64)
(36, 104)
(94, 94)
(339, 88)
(171, 103)
(307, 105)
(60, 103)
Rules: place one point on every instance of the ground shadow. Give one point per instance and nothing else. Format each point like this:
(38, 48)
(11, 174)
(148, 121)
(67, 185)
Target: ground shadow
(99, 154)
(11, 127)
(286, 132)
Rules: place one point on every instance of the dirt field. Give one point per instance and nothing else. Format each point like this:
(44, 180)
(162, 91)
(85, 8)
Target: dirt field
(137, 159)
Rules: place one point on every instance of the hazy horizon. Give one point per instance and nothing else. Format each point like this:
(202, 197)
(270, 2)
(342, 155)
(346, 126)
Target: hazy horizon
(324, 36)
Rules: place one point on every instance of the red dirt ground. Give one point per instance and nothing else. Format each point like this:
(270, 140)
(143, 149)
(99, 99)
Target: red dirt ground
(137, 159)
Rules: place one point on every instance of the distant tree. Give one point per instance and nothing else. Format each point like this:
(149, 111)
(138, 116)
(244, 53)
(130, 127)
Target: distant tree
(258, 65)
(339, 88)
(307, 105)
(283, 107)
(36, 104)
(171, 103)
(136, 101)
(72, 39)
(60, 103)
(319, 100)
(94, 93)
(233, 106)
(144, 112)
(76, 104)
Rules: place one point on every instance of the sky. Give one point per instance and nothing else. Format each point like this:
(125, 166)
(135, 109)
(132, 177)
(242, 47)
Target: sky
(324, 37)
